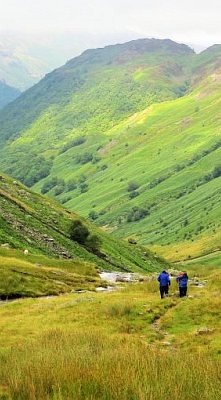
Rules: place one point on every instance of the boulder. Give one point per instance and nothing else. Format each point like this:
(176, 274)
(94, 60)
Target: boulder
(132, 241)
(204, 331)
(5, 245)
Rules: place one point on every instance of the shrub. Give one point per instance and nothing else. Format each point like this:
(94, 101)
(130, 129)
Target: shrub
(93, 215)
(102, 212)
(84, 158)
(49, 185)
(82, 178)
(136, 214)
(216, 172)
(73, 143)
(186, 222)
(93, 242)
(65, 200)
(103, 167)
(83, 187)
(133, 194)
(71, 185)
(96, 159)
(60, 188)
(39, 169)
(132, 186)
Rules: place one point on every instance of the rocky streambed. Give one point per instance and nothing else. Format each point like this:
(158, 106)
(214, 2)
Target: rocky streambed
(120, 277)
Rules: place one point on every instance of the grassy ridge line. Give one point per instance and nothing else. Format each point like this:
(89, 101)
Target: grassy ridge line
(107, 347)
(31, 221)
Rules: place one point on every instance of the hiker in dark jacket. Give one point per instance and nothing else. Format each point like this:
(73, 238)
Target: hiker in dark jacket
(164, 280)
(182, 280)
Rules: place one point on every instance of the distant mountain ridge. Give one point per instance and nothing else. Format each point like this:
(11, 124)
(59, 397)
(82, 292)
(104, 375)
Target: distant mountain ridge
(26, 57)
(7, 94)
(130, 135)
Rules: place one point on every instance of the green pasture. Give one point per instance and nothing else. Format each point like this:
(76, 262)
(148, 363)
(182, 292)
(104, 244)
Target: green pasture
(120, 345)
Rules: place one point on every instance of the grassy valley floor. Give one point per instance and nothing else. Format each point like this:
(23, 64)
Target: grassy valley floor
(125, 345)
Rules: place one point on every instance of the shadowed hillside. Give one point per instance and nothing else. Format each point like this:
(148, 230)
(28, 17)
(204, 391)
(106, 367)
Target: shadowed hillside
(32, 222)
(7, 94)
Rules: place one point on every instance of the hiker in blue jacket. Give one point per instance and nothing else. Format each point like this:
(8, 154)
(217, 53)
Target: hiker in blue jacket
(164, 280)
(182, 280)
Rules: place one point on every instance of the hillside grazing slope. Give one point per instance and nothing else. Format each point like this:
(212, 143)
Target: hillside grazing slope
(129, 135)
(32, 222)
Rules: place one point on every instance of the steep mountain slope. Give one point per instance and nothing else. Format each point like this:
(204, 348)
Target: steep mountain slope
(30, 221)
(93, 92)
(7, 94)
(98, 141)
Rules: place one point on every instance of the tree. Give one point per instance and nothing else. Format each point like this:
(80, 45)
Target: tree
(78, 232)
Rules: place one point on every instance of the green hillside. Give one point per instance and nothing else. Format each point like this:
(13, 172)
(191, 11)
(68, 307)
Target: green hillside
(7, 94)
(95, 91)
(128, 135)
(32, 222)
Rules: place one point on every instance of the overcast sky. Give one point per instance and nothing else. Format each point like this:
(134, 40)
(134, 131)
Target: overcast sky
(189, 21)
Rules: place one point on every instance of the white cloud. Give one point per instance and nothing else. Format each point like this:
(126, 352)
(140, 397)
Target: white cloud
(188, 21)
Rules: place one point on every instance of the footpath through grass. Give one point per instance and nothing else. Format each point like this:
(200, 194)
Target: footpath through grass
(124, 345)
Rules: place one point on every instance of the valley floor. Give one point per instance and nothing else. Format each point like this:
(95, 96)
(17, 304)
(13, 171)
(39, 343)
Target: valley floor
(123, 345)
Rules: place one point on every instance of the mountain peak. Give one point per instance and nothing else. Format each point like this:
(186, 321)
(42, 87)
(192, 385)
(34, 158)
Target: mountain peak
(131, 49)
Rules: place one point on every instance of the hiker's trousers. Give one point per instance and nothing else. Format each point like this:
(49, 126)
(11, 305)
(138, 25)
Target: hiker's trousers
(164, 291)
(183, 291)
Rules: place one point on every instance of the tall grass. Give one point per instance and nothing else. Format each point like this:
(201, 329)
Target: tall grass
(92, 365)
(106, 347)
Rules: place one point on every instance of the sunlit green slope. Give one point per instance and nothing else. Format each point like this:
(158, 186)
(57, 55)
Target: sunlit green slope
(88, 96)
(130, 136)
(172, 152)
